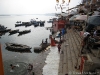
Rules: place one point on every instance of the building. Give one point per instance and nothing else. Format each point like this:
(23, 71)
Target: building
(58, 24)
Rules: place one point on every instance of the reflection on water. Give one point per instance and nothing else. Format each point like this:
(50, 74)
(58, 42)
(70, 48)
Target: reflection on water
(32, 39)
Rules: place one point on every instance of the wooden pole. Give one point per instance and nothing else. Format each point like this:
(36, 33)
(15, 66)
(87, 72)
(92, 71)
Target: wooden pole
(1, 63)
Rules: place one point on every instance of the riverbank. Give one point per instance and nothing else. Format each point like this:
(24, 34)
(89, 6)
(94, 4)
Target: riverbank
(39, 62)
(47, 62)
(52, 62)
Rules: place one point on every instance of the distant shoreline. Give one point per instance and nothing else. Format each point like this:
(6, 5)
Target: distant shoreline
(48, 14)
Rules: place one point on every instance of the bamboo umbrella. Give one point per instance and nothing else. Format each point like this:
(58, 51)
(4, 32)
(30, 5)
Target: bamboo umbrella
(81, 18)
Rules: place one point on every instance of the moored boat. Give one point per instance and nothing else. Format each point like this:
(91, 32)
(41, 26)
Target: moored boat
(14, 31)
(16, 25)
(32, 21)
(17, 47)
(42, 47)
(3, 29)
(18, 22)
(42, 23)
(24, 31)
(50, 21)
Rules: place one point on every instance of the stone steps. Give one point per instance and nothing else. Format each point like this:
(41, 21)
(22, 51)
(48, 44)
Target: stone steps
(69, 58)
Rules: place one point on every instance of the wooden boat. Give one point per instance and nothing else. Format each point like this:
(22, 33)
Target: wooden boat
(14, 31)
(24, 32)
(41, 23)
(36, 24)
(43, 46)
(50, 21)
(33, 21)
(17, 47)
(5, 30)
(16, 25)
(37, 49)
(18, 22)
(28, 24)
(2, 27)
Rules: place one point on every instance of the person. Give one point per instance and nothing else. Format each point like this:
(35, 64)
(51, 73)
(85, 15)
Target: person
(85, 34)
(12, 66)
(30, 67)
(52, 41)
(63, 32)
(85, 42)
(59, 47)
(46, 41)
(60, 34)
(42, 41)
(96, 34)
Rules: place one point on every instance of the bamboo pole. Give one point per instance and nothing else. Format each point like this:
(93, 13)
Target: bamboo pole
(1, 63)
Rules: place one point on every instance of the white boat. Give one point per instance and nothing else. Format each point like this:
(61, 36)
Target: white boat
(50, 21)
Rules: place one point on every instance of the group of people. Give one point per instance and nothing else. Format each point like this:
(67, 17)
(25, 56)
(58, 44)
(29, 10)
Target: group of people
(46, 41)
(90, 39)
(61, 36)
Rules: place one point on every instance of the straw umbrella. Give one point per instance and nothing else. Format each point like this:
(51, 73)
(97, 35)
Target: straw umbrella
(81, 18)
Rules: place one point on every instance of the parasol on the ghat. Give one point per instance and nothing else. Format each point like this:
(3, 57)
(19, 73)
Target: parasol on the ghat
(94, 20)
(81, 18)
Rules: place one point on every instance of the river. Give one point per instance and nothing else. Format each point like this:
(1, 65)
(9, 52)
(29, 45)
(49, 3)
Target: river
(32, 39)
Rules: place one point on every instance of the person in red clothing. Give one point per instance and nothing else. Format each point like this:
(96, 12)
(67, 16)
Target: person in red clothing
(52, 41)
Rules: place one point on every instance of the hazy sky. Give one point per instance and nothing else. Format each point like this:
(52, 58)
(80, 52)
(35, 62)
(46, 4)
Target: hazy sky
(31, 6)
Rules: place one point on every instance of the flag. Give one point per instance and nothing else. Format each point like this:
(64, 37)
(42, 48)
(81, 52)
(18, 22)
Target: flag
(57, 1)
(1, 63)
(63, 1)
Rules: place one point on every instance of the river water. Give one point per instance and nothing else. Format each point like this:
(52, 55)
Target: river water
(32, 39)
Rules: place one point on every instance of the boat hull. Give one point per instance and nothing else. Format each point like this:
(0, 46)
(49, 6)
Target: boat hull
(17, 47)
(14, 31)
(24, 32)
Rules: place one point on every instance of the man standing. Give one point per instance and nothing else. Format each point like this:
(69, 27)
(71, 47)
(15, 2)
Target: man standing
(59, 47)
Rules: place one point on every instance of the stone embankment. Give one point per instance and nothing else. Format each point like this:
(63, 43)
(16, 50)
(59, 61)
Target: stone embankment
(69, 57)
